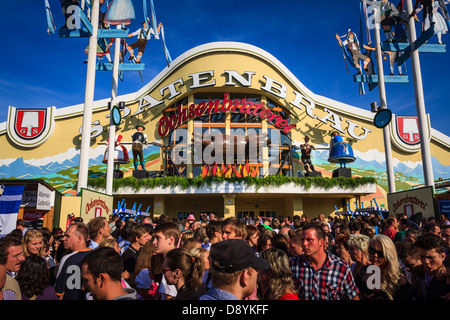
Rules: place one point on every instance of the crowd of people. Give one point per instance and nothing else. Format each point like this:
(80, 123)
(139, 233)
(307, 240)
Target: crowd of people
(283, 258)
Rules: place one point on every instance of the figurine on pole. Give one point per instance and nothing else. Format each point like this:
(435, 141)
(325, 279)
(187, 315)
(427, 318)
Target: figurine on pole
(353, 48)
(120, 153)
(139, 139)
(387, 13)
(144, 34)
(306, 149)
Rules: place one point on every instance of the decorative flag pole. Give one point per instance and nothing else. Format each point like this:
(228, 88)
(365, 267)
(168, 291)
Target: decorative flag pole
(420, 101)
(112, 126)
(383, 105)
(88, 100)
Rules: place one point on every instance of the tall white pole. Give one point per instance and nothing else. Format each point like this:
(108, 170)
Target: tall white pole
(383, 105)
(112, 127)
(88, 100)
(420, 101)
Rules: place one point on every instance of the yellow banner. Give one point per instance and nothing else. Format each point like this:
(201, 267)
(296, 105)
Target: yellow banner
(412, 201)
(95, 204)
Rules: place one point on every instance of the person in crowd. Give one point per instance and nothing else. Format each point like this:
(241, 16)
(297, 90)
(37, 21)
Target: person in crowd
(252, 235)
(277, 283)
(156, 274)
(411, 235)
(101, 271)
(22, 226)
(264, 242)
(185, 272)
(34, 279)
(118, 226)
(369, 231)
(279, 241)
(393, 284)
(316, 271)
(233, 228)
(445, 234)
(233, 270)
(125, 239)
(342, 248)
(112, 243)
(295, 246)
(143, 281)
(358, 246)
(33, 243)
(404, 225)
(67, 284)
(204, 255)
(139, 237)
(190, 243)
(447, 276)
(166, 237)
(11, 259)
(408, 255)
(431, 249)
(392, 227)
(432, 227)
(213, 232)
(99, 230)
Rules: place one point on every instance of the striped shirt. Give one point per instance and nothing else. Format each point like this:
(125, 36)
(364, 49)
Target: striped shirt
(333, 281)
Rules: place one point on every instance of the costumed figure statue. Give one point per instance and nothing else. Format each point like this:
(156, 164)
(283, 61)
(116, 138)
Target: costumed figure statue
(353, 48)
(143, 35)
(120, 153)
(306, 149)
(340, 152)
(139, 139)
(388, 11)
(120, 12)
(432, 16)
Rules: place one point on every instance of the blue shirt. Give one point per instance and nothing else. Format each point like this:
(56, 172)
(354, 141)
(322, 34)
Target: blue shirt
(217, 294)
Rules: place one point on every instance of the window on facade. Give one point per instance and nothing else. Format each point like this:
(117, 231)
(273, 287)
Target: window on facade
(244, 125)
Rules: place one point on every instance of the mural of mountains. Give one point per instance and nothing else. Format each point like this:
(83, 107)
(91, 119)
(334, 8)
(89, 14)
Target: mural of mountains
(61, 170)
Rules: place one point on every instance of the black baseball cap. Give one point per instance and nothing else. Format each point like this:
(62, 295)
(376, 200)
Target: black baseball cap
(235, 255)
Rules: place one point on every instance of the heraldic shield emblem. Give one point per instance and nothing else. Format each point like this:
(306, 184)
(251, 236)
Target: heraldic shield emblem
(408, 129)
(30, 127)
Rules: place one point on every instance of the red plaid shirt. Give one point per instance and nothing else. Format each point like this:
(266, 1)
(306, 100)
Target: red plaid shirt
(333, 281)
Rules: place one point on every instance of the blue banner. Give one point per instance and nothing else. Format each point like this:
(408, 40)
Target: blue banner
(9, 207)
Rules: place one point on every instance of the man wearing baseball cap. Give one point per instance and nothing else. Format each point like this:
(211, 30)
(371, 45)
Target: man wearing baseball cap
(233, 270)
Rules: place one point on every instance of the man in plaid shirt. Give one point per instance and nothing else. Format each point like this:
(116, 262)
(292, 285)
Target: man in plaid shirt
(320, 275)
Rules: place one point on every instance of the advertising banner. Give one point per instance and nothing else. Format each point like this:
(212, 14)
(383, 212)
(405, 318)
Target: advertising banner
(95, 204)
(412, 201)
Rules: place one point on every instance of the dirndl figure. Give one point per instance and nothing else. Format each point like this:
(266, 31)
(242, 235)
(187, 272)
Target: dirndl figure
(120, 12)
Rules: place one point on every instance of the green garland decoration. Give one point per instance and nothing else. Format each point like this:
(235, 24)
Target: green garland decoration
(258, 182)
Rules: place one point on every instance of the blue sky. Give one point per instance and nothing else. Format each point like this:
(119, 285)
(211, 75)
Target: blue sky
(40, 70)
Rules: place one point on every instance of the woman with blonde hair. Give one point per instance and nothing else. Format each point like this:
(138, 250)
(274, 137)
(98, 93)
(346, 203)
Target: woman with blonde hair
(393, 283)
(277, 282)
(33, 243)
(204, 255)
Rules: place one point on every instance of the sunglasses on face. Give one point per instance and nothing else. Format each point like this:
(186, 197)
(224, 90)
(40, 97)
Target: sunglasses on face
(380, 254)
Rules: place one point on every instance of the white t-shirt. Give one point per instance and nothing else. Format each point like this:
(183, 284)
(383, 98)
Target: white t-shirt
(167, 289)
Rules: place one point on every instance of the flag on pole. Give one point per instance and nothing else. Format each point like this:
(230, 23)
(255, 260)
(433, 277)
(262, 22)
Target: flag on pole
(9, 207)
(50, 23)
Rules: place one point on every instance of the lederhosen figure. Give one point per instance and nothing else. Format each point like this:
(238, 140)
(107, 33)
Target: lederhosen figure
(139, 139)
(306, 154)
